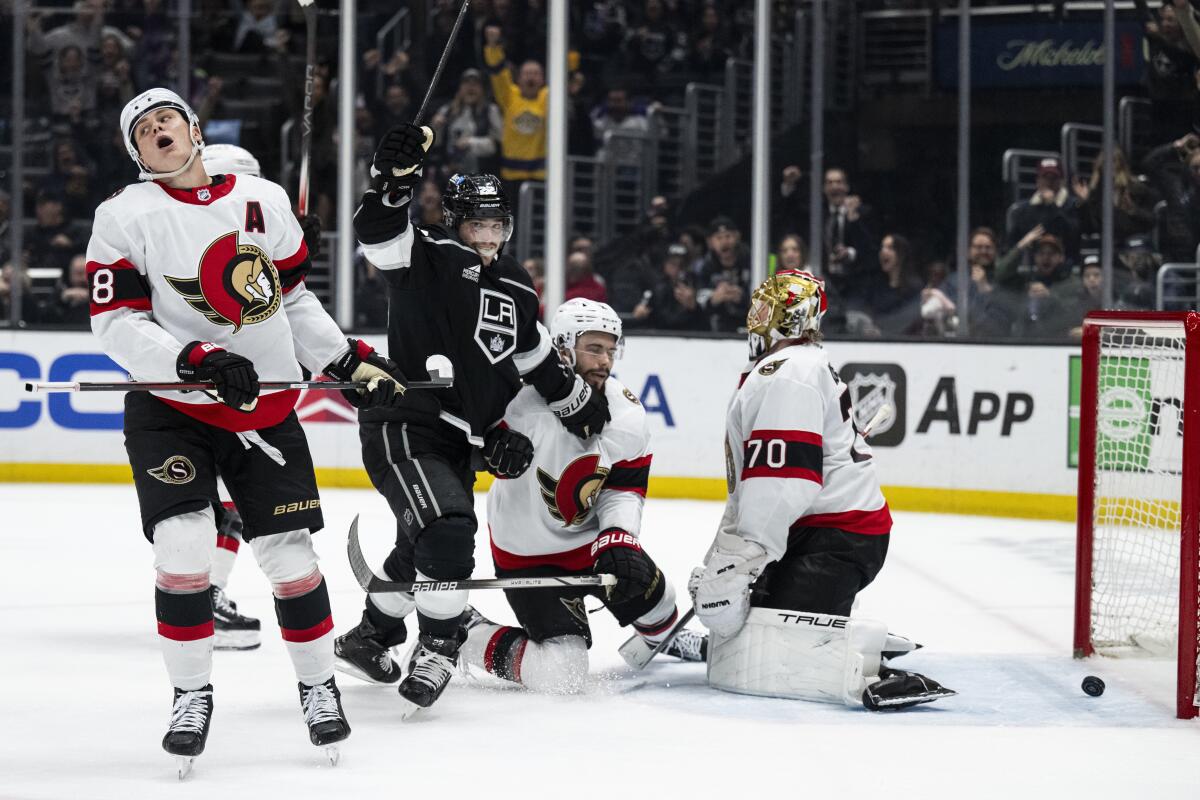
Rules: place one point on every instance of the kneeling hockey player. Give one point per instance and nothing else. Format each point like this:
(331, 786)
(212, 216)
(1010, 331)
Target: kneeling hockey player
(805, 527)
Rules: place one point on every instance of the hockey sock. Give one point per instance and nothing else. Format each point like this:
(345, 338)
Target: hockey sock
(653, 626)
(555, 666)
(439, 613)
(223, 558)
(306, 623)
(497, 649)
(185, 629)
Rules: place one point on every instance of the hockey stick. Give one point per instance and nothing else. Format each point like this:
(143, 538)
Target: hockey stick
(372, 583)
(437, 73)
(306, 121)
(882, 415)
(638, 654)
(183, 386)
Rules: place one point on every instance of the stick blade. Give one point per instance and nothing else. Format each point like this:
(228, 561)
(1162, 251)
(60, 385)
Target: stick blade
(637, 653)
(358, 562)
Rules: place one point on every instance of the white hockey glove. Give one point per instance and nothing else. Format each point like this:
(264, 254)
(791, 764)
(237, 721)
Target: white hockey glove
(720, 589)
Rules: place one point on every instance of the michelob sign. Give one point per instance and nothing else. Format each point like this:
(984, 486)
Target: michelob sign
(1038, 53)
(1139, 421)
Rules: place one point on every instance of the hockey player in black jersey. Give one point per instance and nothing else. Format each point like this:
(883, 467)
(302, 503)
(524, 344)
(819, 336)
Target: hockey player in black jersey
(453, 292)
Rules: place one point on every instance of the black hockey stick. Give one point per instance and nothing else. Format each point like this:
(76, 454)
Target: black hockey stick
(183, 386)
(306, 121)
(437, 73)
(372, 583)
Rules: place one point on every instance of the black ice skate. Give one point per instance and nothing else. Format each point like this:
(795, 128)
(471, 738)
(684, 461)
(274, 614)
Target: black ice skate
(361, 653)
(897, 689)
(191, 714)
(688, 645)
(430, 667)
(232, 631)
(327, 725)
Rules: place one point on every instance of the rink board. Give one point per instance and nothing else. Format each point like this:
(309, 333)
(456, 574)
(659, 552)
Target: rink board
(978, 428)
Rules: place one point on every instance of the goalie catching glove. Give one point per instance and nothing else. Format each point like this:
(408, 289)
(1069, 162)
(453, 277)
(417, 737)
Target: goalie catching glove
(362, 364)
(398, 159)
(232, 376)
(720, 589)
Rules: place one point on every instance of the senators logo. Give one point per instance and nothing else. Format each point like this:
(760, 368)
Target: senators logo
(569, 499)
(237, 284)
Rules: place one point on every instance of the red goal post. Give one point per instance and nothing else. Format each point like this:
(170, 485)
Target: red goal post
(1137, 555)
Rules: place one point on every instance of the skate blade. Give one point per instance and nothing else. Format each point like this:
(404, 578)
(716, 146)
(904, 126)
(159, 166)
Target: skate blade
(408, 708)
(184, 765)
(237, 640)
(333, 754)
(346, 668)
(901, 703)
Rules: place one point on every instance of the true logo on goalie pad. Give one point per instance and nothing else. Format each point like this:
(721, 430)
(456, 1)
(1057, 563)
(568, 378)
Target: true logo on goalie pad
(175, 470)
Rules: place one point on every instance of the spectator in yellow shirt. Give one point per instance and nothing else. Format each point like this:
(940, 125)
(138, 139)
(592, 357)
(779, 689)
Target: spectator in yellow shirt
(524, 107)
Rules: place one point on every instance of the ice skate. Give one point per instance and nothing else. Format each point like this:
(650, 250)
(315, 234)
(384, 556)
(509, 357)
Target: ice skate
(688, 645)
(361, 653)
(430, 667)
(327, 724)
(191, 714)
(897, 689)
(232, 631)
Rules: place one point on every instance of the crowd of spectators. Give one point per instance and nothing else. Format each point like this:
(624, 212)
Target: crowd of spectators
(1034, 274)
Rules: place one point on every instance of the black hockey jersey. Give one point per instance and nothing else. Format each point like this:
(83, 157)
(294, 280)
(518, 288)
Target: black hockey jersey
(442, 300)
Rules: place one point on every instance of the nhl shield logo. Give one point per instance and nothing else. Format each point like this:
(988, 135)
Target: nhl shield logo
(203, 195)
(869, 386)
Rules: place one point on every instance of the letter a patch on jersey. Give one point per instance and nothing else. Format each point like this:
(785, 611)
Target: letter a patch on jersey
(496, 330)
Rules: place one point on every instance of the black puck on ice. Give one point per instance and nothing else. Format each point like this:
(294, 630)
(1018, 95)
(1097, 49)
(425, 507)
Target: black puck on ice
(1093, 686)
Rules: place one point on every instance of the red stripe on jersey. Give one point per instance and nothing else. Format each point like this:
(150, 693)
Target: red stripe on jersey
(227, 543)
(116, 285)
(201, 195)
(635, 489)
(294, 259)
(136, 303)
(579, 559)
(764, 471)
(308, 634)
(272, 409)
(120, 263)
(185, 633)
(870, 523)
(803, 437)
(634, 463)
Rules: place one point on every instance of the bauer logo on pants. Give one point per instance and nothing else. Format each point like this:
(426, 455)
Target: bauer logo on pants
(176, 469)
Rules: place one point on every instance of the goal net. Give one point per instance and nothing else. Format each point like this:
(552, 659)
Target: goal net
(1137, 566)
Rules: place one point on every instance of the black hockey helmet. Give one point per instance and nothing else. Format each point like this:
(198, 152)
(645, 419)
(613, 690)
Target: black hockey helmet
(475, 197)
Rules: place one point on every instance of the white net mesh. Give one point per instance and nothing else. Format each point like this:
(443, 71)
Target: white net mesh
(1139, 460)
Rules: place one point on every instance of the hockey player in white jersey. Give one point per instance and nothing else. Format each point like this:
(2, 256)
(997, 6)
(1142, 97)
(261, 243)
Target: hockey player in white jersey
(201, 278)
(805, 527)
(576, 510)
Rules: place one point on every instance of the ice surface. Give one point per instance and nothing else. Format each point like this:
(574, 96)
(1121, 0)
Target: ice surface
(84, 697)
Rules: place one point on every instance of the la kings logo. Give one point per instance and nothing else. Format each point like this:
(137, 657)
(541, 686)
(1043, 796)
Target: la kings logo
(496, 330)
(236, 284)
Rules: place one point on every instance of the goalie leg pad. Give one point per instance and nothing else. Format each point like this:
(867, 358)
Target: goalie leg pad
(798, 655)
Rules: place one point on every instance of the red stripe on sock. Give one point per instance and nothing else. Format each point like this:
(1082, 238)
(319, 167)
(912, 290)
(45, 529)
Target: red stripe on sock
(518, 658)
(185, 633)
(227, 543)
(308, 634)
(655, 630)
(489, 652)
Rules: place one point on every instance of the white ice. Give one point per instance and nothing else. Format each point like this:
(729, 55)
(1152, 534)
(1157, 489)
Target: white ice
(84, 697)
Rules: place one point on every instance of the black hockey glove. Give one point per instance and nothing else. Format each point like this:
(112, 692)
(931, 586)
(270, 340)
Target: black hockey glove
(384, 381)
(311, 226)
(506, 452)
(583, 411)
(398, 159)
(232, 376)
(636, 574)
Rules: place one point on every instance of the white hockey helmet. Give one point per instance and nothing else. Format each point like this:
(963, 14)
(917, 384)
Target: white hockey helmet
(143, 104)
(229, 159)
(578, 316)
(786, 305)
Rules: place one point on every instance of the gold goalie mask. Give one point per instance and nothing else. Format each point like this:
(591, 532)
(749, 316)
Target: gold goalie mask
(786, 305)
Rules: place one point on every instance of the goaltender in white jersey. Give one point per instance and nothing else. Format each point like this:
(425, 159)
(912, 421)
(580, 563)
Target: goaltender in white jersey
(805, 527)
(576, 510)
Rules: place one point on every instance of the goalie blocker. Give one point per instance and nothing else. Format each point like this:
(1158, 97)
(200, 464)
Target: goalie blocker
(821, 657)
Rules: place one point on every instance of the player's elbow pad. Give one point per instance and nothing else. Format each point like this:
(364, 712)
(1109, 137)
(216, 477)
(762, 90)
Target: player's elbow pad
(376, 223)
(552, 378)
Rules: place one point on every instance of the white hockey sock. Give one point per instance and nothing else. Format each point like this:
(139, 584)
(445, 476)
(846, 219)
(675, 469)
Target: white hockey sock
(656, 623)
(555, 666)
(224, 555)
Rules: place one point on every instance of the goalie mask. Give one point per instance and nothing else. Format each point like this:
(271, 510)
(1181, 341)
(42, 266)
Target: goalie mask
(579, 316)
(229, 159)
(143, 104)
(785, 306)
(476, 197)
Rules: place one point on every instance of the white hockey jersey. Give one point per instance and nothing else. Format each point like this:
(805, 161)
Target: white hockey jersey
(793, 455)
(580, 496)
(223, 263)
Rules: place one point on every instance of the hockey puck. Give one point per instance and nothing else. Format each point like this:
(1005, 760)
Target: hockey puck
(1093, 686)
